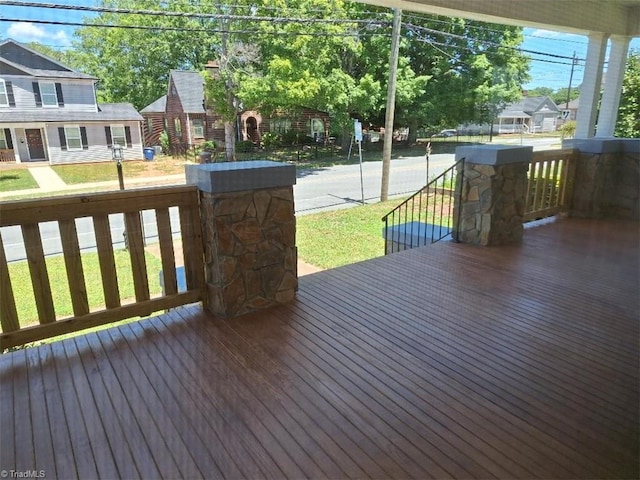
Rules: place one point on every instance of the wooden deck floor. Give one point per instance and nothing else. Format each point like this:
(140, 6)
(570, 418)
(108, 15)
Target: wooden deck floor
(447, 361)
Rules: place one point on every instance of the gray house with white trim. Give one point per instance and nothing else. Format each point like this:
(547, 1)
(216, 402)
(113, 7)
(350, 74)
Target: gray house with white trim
(49, 113)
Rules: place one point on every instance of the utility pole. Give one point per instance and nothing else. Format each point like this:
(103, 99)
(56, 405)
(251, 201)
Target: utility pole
(391, 104)
(573, 65)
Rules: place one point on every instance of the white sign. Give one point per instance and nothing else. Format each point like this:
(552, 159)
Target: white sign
(357, 128)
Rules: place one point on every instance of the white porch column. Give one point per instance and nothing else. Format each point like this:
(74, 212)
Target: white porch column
(590, 91)
(613, 86)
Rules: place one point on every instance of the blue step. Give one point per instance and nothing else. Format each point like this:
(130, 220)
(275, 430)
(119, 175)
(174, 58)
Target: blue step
(415, 234)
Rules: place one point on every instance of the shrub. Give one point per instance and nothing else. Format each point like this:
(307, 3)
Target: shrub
(208, 146)
(246, 146)
(568, 129)
(164, 142)
(270, 140)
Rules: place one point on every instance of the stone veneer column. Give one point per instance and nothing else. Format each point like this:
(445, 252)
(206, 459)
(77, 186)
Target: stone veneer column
(606, 181)
(248, 226)
(493, 194)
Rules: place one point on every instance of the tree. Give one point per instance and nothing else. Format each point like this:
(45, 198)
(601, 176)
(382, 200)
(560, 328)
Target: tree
(628, 124)
(133, 64)
(457, 71)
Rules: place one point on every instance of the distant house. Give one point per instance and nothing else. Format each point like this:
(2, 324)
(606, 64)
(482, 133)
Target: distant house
(569, 111)
(189, 121)
(49, 113)
(529, 115)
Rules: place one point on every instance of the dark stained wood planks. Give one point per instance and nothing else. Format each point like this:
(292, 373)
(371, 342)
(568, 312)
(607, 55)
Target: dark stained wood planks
(447, 361)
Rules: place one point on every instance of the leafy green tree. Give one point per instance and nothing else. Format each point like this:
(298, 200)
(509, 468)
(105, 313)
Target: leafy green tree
(456, 70)
(560, 95)
(541, 92)
(133, 64)
(628, 125)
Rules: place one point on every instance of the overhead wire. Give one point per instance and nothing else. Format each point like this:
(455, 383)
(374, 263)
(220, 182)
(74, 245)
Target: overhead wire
(368, 23)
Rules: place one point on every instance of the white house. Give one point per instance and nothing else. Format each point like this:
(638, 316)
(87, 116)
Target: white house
(49, 113)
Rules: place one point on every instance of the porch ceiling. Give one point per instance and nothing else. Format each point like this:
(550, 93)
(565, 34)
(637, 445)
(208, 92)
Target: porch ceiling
(616, 17)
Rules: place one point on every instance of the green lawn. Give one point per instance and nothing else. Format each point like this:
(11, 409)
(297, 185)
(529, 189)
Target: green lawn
(16, 179)
(340, 237)
(23, 290)
(106, 171)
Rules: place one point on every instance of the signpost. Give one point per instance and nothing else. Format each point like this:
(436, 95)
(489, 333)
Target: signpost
(357, 129)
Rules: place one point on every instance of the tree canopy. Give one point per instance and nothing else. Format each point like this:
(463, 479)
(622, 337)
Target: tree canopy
(330, 55)
(628, 125)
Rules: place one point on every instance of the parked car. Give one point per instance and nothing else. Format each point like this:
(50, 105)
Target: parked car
(446, 133)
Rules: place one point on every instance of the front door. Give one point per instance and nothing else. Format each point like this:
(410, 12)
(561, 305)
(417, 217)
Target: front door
(35, 144)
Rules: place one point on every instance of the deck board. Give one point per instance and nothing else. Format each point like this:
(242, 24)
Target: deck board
(449, 361)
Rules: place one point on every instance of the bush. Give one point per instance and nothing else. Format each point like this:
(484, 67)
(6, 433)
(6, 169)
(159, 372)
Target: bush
(568, 129)
(208, 146)
(164, 142)
(246, 146)
(271, 140)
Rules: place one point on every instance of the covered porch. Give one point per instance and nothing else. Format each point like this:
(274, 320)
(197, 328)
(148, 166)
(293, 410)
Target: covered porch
(450, 361)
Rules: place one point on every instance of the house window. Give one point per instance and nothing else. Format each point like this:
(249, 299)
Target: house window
(3, 140)
(4, 96)
(149, 124)
(118, 135)
(280, 125)
(48, 94)
(177, 124)
(317, 128)
(73, 136)
(198, 128)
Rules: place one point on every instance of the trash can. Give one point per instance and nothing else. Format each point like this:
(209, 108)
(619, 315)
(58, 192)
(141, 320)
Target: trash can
(205, 157)
(149, 153)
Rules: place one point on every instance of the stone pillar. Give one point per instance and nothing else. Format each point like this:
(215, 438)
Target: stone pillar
(606, 181)
(248, 226)
(493, 188)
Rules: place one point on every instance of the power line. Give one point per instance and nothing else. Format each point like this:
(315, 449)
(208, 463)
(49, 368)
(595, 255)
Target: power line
(192, 29)
(166, 13)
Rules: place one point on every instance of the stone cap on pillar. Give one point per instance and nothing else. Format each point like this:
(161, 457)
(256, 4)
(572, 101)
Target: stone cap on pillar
(239, 176)
(494, 154)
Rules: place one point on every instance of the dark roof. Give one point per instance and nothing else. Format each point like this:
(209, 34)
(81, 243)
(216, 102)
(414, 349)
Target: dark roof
(16, 57)
(107, 112)
(159, 106)
(190, 88)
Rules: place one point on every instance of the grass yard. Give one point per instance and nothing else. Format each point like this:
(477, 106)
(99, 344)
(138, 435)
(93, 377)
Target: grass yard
(340, 237)
(106, 171)
(16, 179)
(23, 290)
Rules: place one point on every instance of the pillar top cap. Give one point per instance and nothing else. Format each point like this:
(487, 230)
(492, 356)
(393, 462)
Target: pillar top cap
(495, 154)
(240, 176)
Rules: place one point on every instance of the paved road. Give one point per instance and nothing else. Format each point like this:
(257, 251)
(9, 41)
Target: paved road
(339, 187)
(316, 190)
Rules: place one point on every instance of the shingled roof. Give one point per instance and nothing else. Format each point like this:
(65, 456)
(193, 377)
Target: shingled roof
(190, 88)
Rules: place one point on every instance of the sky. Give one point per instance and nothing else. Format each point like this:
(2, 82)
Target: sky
(543, 73)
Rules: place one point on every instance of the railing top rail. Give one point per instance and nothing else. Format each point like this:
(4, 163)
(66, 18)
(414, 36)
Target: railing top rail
(47, 209)
(540, 155)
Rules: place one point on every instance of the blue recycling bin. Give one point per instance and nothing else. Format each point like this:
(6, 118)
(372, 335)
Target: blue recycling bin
(149, 153)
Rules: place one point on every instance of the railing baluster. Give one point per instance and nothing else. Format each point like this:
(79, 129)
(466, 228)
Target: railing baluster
(73, 264)
(38, 271)
(553, 197)
(136, 253)
(104, 244)
(8, 312)
(167, 253)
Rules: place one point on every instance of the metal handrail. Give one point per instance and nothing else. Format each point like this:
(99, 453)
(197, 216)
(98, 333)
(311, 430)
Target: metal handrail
(433, 202)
